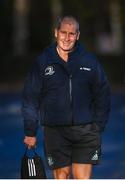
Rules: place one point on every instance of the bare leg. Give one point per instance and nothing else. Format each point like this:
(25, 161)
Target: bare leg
(81, 171)
(62, 173)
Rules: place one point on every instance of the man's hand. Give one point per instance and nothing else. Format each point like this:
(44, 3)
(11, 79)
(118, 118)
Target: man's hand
(30, 142)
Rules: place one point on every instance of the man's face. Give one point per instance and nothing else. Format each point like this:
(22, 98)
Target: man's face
(66, 36)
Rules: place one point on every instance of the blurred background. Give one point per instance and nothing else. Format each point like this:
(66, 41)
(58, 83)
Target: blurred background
(26, 29)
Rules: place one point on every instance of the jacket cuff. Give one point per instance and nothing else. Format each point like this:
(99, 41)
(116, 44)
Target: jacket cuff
(30, 132)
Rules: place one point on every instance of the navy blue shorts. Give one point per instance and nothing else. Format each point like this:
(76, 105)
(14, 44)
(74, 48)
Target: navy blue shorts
(65, 145)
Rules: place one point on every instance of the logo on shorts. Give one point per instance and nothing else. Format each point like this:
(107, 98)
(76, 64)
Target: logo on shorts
(50, 161)
(95, 156)
(49, 71)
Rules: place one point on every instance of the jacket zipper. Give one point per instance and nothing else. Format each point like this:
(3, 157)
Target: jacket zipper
(70, 88)
(70, 93)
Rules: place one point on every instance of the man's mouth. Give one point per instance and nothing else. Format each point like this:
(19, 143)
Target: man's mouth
(66, 44)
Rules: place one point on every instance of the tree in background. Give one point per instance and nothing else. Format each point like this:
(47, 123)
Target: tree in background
(56, 11)
(20, 26)
(6, 29)
(111, 42)
(31, 26)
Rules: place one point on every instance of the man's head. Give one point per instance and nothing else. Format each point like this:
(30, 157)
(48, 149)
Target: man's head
(67, 33)
(67, 19)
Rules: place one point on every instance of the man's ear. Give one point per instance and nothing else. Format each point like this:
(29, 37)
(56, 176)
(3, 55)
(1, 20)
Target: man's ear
(78, 35)
(55, 33)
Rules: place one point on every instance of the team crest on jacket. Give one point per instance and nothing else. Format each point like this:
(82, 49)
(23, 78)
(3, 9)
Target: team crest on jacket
(49, 71)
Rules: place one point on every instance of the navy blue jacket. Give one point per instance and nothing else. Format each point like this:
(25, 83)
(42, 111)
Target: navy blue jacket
(60, 93)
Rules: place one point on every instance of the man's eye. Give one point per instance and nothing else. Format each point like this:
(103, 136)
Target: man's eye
(72, 34)
(63, 32)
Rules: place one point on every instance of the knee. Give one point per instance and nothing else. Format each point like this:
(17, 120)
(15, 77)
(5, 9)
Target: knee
(81, 176)
(62, 173)
(82, 171)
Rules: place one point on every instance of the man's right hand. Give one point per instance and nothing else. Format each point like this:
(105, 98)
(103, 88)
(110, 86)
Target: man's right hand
(29, 141)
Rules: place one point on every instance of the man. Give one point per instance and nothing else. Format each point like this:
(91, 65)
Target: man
(68, 86)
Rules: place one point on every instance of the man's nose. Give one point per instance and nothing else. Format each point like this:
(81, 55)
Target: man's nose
(67, 37)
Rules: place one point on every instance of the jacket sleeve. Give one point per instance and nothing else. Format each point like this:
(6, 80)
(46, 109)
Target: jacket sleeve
(101, 97)
(31, 100)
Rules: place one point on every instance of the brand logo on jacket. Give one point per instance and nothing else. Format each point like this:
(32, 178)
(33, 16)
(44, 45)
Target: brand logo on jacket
(85, 68)
(49, 71)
